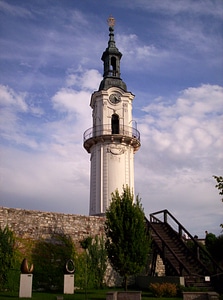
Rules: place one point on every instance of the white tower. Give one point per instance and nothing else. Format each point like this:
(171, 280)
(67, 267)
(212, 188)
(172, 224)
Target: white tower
(113, 139)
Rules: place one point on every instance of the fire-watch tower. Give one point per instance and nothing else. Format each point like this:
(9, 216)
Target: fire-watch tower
(113, 139)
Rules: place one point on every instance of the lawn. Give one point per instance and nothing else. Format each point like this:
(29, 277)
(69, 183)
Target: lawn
(79, 295)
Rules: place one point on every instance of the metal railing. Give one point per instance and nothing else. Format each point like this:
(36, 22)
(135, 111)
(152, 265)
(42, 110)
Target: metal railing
(106, 129)
(201, 253)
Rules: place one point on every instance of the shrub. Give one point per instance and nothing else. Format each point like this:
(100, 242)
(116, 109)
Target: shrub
(95, 261)
(7, 255)
(163, 289)
(49, 257)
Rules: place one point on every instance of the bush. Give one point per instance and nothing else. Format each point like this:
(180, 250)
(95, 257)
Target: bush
(49, 257)
(7, 256)
(95, 261)
(163, 289)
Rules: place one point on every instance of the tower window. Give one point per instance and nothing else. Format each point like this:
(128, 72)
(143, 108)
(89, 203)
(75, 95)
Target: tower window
(115, 124)
(113, 64)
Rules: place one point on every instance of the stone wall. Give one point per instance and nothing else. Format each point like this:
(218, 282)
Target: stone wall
(30, 224)
(36, 225)
(160, 267)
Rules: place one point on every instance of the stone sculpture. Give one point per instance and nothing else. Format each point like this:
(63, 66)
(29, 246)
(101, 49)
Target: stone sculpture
(69, 267)
(25, 268)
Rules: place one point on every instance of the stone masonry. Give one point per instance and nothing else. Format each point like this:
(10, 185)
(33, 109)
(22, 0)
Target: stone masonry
(36, 225)
(30, 224)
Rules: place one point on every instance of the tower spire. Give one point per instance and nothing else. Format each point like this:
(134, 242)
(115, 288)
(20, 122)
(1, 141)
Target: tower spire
(111, 58)
(111, 24)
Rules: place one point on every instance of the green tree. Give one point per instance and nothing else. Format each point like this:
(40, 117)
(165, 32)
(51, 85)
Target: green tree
(210, 242)
(214, 245)
(7, 245)
(219, 186)
(96, 260)
(127, 242)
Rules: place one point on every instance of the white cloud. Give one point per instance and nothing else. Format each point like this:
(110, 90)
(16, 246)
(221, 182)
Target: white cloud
(71, 106)
(15, 10)
(181, 149)
(45, 181)
(9, 98)
(54, 175)
(138, 54)
(87, 80)
(14, 110)
(187, 130)
(204, 7)
(183, 38)
(79, 18)
(74, 100)
(69, 100)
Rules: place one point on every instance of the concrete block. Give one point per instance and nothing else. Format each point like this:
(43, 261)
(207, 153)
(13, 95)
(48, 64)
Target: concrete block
(68, 284)
(111, 296)
(200, 296)
(128, 295)
(25, 288)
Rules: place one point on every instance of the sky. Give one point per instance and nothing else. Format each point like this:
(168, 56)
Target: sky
(50, 64)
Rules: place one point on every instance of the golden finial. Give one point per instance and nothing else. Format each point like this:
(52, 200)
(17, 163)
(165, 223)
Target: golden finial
(111, 21)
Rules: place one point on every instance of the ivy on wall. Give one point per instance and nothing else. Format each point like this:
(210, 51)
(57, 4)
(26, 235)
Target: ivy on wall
(49, 257)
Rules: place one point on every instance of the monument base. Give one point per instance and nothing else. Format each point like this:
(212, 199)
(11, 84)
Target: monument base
(68, 284)
(25, 288)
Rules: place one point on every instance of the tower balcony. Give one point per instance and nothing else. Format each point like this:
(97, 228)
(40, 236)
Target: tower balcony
(126, 135)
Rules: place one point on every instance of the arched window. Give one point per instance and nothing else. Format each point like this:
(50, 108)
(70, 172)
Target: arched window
(115, 124)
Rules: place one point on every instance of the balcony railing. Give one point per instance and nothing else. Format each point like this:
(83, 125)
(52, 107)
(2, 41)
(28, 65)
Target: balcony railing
(107, 130)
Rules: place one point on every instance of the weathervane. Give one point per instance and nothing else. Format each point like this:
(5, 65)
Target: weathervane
(111, 21)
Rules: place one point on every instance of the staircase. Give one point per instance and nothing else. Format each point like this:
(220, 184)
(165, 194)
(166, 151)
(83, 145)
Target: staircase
(181, 253)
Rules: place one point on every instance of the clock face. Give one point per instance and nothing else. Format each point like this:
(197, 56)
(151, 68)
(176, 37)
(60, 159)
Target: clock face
(115, 98)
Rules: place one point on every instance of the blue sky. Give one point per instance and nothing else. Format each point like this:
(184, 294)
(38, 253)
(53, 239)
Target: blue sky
(50, 62)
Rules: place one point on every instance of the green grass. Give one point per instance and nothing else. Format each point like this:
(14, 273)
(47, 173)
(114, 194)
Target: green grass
(78, 295)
